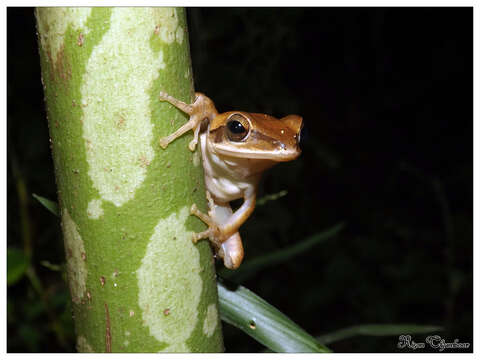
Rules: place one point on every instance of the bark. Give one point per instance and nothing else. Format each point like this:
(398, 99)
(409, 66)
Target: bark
(137, 282)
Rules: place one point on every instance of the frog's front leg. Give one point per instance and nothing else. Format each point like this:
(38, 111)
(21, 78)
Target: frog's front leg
(213, 230)
(202, 108)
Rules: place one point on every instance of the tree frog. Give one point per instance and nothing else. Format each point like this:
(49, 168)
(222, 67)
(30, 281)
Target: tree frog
(236, 147)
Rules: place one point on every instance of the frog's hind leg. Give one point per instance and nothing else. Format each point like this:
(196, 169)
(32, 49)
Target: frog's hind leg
(231, 251)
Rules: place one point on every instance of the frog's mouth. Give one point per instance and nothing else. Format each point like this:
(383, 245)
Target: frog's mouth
(278, 153)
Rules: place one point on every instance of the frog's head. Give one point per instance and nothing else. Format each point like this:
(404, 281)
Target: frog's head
(256, 136)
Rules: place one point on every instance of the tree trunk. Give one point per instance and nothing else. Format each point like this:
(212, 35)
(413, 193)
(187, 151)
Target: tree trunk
(137, 282)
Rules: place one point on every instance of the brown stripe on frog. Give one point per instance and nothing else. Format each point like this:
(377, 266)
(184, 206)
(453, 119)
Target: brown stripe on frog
(262, 137)
(217, 136)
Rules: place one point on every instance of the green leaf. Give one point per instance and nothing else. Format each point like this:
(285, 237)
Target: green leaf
(49, 204)
(251, 267)
(377, 330)
(245, 310)
(17, 264)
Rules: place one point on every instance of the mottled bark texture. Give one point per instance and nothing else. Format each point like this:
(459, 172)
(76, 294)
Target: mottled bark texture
(138, 283)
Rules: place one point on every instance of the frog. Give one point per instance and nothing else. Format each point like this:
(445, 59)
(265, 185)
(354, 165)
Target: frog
(236, 148)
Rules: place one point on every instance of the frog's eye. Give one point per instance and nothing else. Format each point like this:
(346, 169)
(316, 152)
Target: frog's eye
(237, 127)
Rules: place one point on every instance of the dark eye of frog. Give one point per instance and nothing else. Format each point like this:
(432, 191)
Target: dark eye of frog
(237, 127)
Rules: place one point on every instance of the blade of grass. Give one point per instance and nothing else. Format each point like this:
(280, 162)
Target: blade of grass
(17, 265)
(271, 197)
(50, 266)
(377, 330)
(58, 329)
(245, 310)
(52, 206)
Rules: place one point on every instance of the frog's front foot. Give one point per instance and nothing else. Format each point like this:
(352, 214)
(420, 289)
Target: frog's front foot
(213, 232)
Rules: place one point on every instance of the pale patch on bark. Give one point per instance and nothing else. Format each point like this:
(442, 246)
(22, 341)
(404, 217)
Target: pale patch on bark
(116, 102)
(94, 209)
(53, 23)
(179, 34)
(196, 158)
(75, 254)
(169, 283)
(167, 27)
(83, 346)
(126, 342)
(211, 320)
(176, 348)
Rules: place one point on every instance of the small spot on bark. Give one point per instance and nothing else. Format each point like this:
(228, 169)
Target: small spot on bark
(144, 162)
(62, 67)
(80, 39)
(120, 123)
(108, 334)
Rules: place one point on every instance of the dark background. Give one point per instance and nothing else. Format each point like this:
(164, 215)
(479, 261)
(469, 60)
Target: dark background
(387, 99)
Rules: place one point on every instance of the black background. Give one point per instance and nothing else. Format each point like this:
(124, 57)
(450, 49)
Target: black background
(387, 99)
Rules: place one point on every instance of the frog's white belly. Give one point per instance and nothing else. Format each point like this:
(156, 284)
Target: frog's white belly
(221, 179)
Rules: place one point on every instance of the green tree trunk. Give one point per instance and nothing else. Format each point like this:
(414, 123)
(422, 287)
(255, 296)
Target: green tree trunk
(137, 282)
